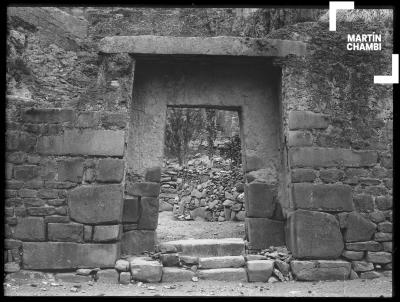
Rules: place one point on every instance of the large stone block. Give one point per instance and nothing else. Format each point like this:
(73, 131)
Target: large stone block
(372, 246)
(88, 119)
(323, 197)
(26, 172)
(260, 200)
(264, 232)
(379, 257)
(30, 229)
(148, 219)
(137, 241)
(223, 274)
(20, 141)
(331, 157)
(106, 233)
(357, 228)
(86, 142)
(146, 271)
(65, 232)
(101, 255)
(153, 174)
(320, 270)
(221, 262)
(130, 212)
(313, 235)
(362, 266)
(96, 204)
(147, 189)
(307, 120)
(299, 139)
(363, 203)
(303, 175)
(176, 274)
(48, 115)
(110, 170)
(70, 170)
(259, 270)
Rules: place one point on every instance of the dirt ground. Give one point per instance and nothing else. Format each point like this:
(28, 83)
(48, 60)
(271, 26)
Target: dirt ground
(351, 288)
(170, 229)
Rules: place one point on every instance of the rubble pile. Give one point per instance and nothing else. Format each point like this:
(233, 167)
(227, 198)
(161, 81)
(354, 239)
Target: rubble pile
(205, 190)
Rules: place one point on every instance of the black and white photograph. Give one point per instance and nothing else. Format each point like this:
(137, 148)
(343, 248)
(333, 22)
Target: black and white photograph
(199, 151)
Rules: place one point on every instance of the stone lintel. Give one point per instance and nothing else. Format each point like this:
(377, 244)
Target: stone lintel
(210, 46)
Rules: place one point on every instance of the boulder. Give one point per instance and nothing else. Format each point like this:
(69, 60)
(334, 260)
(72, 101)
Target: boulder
(320, 270)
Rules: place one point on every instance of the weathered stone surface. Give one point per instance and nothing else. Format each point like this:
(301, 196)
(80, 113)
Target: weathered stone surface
(20, 141)
(387, 246)
(175, 274)
(223, 274)
(189, 260)
(282, 266)
(148, 219)
(331, 175)
(86, 142)
(153, 174)
(70, 170)
(386, 227)
(110, 170)
(353, 275)
(130, 212)
(330, 157)
(307, 120)
(108, 276)
(65, 232)
(107, 233)
(357, 228)
(221, 45)
(372, 246)
(370, 275)
(322, 197)
(362, 266)
(137, 241)
(383, 202)
(96, 204)
(170, 259)
(11, 267)
(129, 227)
(313, 235)
(10, 244)
(88, 119)
(264, 232)
(146, 271)
(48, 115)
(260, 200)
(255, 257)
(26, 172)
(353, 255)
(122, 265)
(208, 247)
(72, 278)
(379, 236)
(63, 255)
(147, 189)
(299, 139)
(363, 203)
(259, 270)
(320, 270)
(125, 278)
(30, 229)
(377, 217)
(303, 175)
(87, 233)
(379, 257)
(221, 262)
(114, 119)
(165, 206)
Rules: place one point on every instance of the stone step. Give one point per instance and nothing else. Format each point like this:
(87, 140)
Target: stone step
(207, 247)
(175, 274)
(223, 274)
(221, 262)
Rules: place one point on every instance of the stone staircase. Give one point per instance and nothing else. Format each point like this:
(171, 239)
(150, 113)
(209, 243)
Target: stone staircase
(208, 259)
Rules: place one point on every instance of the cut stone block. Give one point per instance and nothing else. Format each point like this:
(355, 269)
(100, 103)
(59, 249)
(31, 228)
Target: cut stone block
(357, 228)
(370, 275)
(26, 172)
(381, 237)
(208, 247)
(223, 274)
(125, 278)
(264, 232)
(379, 257)
(146, 271)
(86, 142)
(353, 255)
(137, 241)
(362, 266)
(303, 175)
(147, 189)
(221, 262)
(170, 259)
(122, 265)
(299, 139)
(65, 232)
(95, 204)
(87, 232)
(307, 120)
(322, 197)
(88, 119)
(72, 278)
(331, 157)
(148, 219)
(67, 255)
(320, 270)
(70, 170)
(108, 276)
(48, 115)
(313, 235)
(189, 260)
(30, 229)
(260, 200)
(175, 274)
(130, 212)
(110, 170)
(153, 174)
(372, 246)
(106, 233)
(259, 270)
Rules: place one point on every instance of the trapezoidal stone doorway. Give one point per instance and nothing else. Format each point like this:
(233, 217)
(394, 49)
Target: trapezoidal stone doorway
(248, 85)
